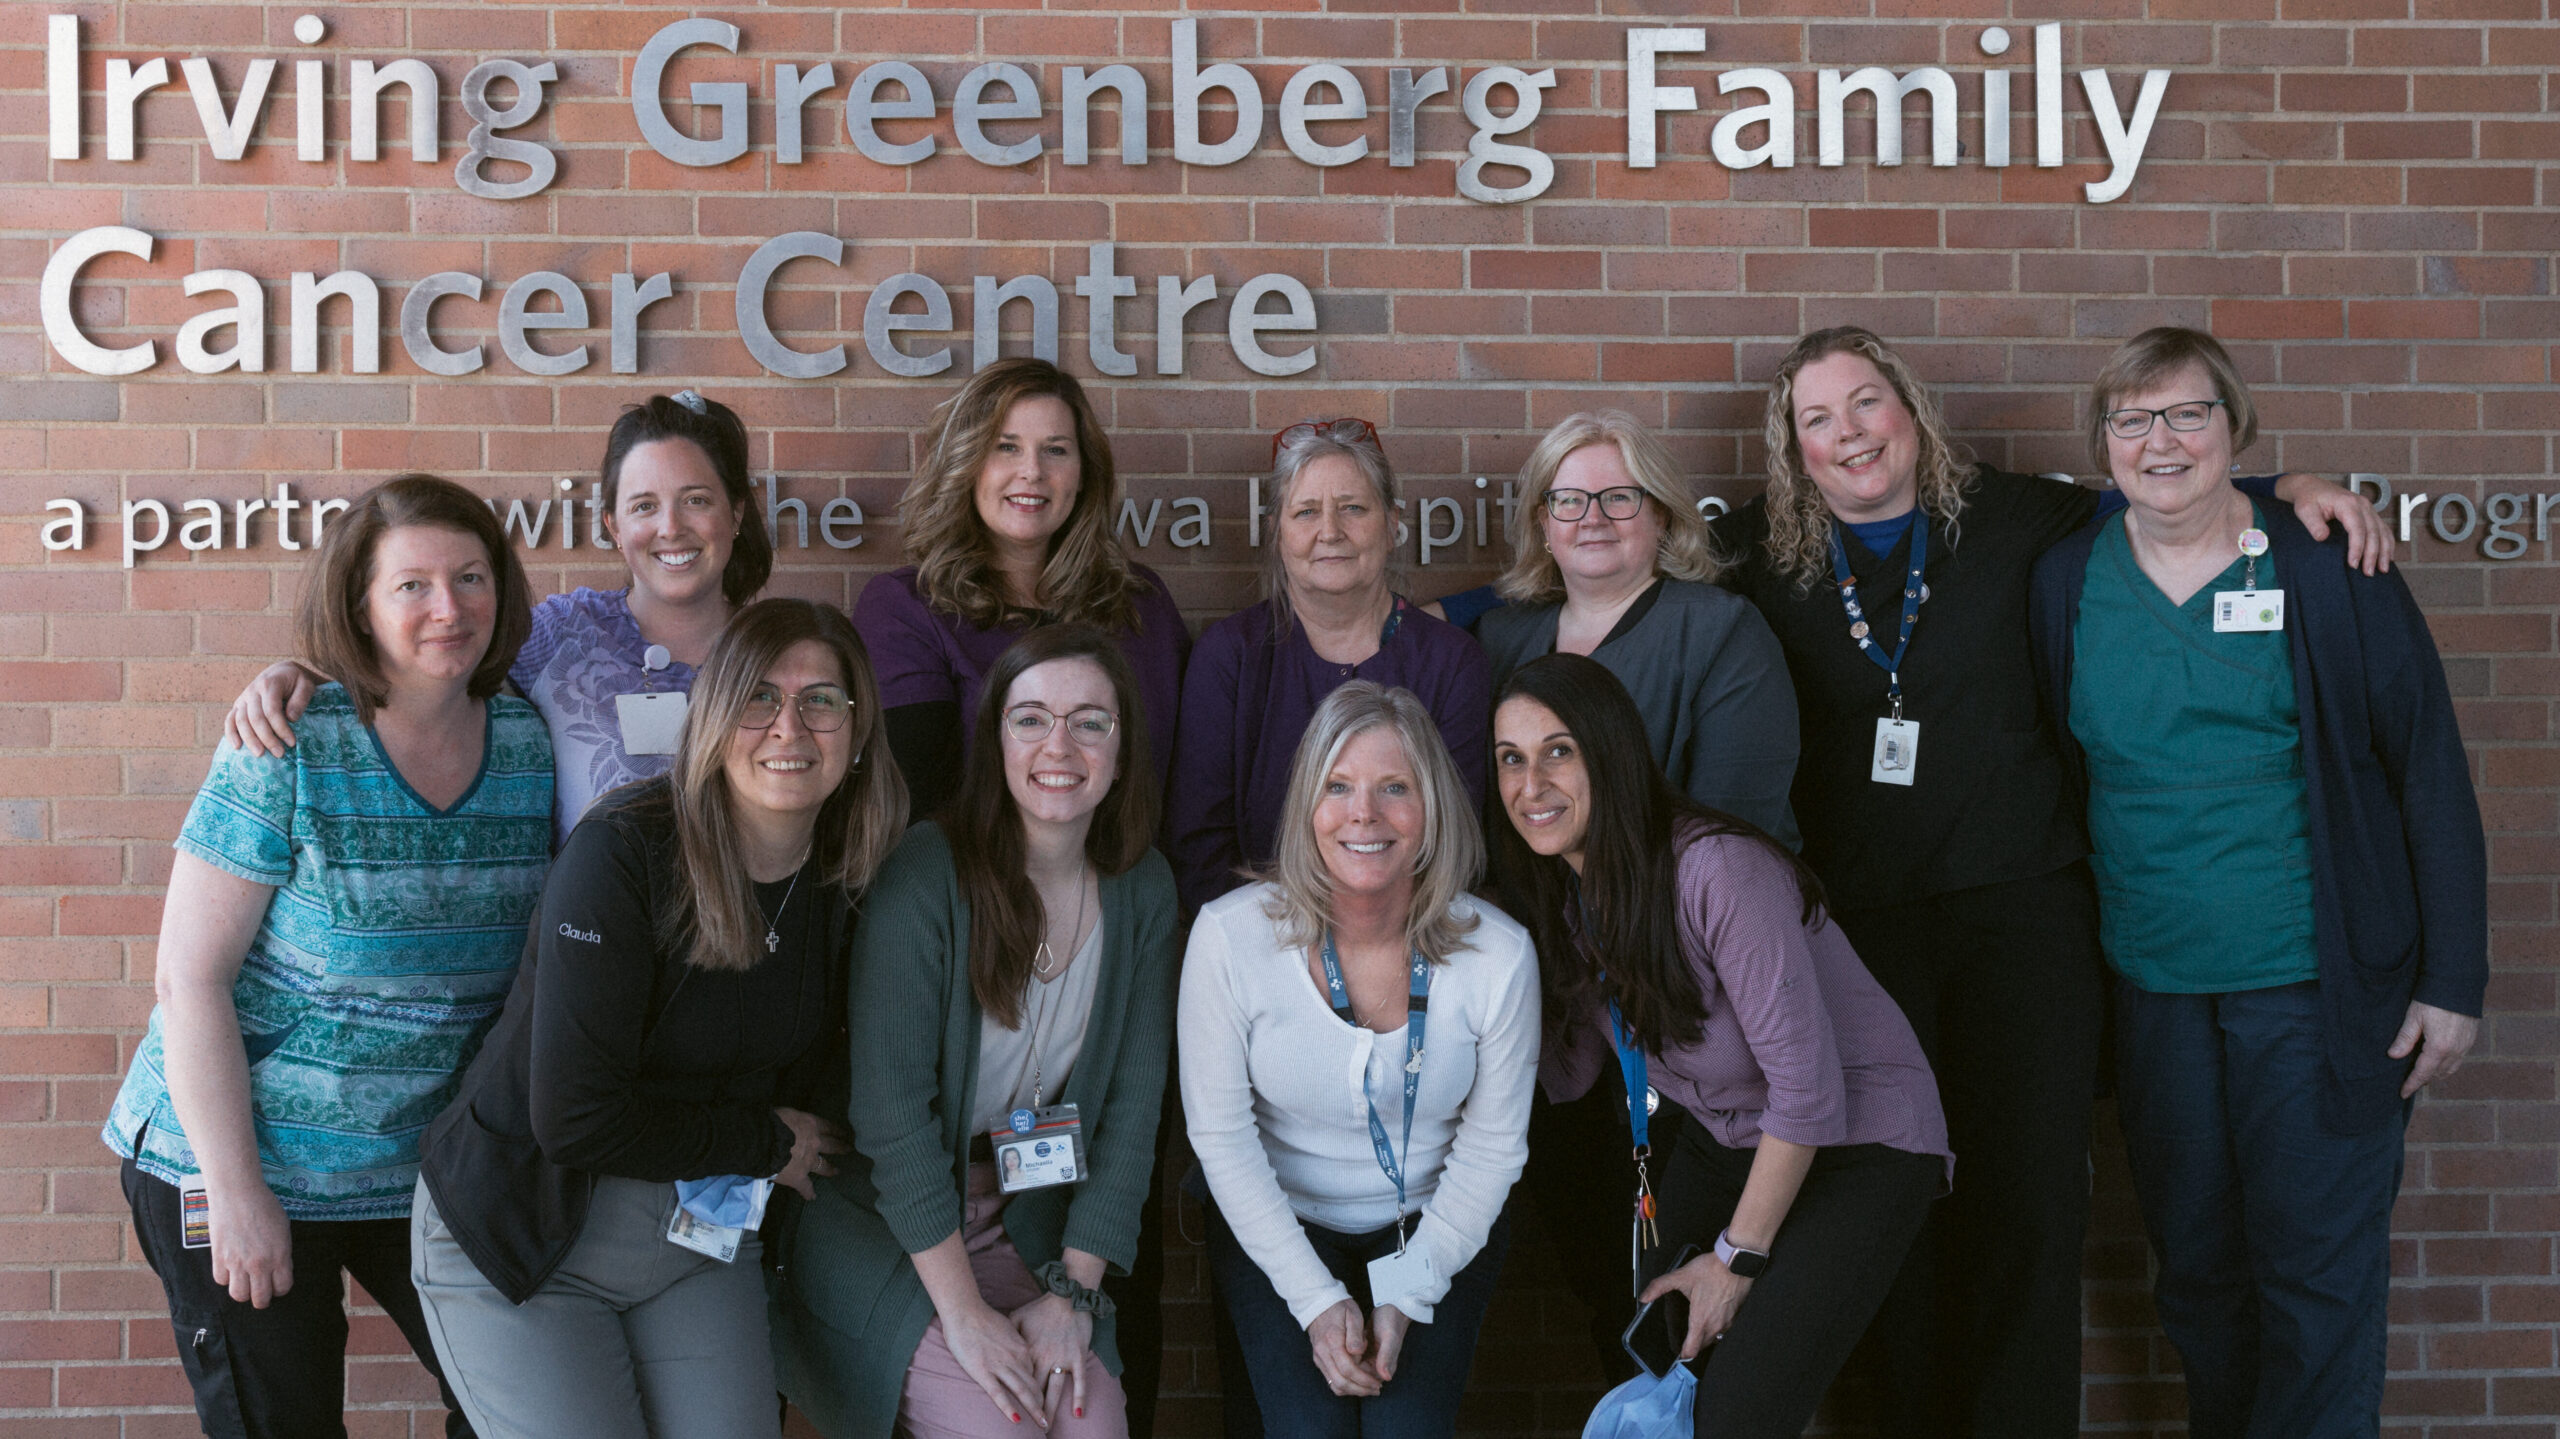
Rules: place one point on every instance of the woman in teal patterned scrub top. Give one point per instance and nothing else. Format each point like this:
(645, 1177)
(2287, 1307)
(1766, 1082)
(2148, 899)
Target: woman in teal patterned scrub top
(342, 926)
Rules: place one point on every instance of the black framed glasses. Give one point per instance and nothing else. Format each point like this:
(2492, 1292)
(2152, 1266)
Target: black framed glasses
(1349, 430)
(1621, 502)
(1031, 721)
(823, 708)
(2186, 418)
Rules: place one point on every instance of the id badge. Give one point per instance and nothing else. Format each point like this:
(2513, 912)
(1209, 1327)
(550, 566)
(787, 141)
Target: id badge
(195, 1214)
(1400, 1276)
(719, 1241)
(651, 723)
(1897, 751)
(1039, 1148)
(2247, 611)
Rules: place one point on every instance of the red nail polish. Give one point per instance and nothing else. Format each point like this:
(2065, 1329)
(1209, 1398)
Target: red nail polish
(1079, 1411)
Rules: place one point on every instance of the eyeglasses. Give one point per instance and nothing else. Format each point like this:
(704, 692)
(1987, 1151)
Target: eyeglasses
(2190, 417)
(823, 708)
(1090, 727)
(1349, 430)
(1620, 503)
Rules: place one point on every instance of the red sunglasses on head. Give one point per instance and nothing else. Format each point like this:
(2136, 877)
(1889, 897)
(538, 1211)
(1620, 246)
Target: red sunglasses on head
(1349, 430)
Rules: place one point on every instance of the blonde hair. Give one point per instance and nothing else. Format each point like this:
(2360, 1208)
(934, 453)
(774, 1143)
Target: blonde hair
(1799, 542)
(1688, 550)
(1451, 859)
(2152, 356)
(1086, 577)
(713, 915)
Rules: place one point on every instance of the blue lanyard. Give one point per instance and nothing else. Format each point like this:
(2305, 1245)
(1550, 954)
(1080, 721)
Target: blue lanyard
(1417, 1006)
(1912, 590)
(1631, 1066)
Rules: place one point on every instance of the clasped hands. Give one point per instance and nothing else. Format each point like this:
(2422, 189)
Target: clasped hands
(1357, 1354)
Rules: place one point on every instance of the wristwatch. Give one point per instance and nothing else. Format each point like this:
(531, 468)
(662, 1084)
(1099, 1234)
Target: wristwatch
(1745, 1263)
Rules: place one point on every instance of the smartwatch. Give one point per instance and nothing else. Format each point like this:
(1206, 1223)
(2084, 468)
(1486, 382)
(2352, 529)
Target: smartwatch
(1745, 1263)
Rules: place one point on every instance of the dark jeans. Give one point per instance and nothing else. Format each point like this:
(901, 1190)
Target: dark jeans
(1582, 1173)
(1421, 1402)
(2004, 986)
(2273, 1231)
(1834, 1258)
(280, 1372)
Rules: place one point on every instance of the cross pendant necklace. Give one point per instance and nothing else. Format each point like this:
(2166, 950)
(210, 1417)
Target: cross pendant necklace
(773, 922)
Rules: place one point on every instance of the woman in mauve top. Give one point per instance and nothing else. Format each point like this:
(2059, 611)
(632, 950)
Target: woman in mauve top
(1332, 615)
(1690, 952)
(1008, 525)
(677, 504)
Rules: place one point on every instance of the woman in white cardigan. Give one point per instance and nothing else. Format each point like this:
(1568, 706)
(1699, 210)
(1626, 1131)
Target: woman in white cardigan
(1359, 1039)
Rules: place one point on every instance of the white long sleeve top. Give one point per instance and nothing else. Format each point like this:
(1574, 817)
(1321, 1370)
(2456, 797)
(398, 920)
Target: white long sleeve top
(1271, 1091)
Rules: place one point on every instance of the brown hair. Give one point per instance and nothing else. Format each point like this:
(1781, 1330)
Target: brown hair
(331, 624)
(1799, 542)
(716, 430)
(713, 914)
(1688, 550)
(985, 826)
(1086, 578)
(2154, 355)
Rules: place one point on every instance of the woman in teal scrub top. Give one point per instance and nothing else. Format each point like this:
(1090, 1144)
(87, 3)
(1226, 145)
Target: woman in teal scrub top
(2292, 890)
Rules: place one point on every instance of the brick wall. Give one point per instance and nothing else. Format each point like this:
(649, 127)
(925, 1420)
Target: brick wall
(2354, 193)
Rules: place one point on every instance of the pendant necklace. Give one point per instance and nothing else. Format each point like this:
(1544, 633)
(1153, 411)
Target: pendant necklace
(1045, 963)
(773, 922)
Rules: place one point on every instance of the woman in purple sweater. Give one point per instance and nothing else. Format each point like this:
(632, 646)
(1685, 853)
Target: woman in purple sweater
(1332, 615)
(1693, 950)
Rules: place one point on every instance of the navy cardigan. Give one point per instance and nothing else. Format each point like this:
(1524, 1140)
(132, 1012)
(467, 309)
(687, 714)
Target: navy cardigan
(2399, 866)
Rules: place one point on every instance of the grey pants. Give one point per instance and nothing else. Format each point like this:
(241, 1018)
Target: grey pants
(632, 1335)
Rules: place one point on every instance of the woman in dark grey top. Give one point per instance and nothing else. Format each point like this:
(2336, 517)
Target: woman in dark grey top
(1611, 560)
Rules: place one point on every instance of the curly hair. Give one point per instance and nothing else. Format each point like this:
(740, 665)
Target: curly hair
(1086, 579)
(1688, 550)
(1799, 544)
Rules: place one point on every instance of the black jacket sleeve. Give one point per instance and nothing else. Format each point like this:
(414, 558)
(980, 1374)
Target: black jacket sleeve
(924, 739)
(599, 958)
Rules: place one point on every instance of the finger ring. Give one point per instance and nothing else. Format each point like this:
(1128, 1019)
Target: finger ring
(1057, 1369)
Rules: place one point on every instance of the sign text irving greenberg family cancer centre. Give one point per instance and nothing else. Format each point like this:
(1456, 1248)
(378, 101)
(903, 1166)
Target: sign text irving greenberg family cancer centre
(1761, 130)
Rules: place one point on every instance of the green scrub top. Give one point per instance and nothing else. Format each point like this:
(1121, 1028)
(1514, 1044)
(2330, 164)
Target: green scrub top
(2198, 820)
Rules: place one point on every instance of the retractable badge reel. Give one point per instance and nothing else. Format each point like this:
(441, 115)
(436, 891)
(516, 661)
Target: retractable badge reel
(2249, 609)
(652, 720)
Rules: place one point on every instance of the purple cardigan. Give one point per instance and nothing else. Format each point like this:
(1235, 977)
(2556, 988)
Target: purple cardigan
(1247, 700)
(922, 655)
(1825, 1063)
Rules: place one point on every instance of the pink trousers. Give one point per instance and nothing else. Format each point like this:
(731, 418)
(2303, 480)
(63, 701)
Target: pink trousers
(941, 1401)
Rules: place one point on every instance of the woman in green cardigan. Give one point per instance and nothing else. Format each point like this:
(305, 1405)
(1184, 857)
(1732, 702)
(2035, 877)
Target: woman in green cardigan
(1011, 1012)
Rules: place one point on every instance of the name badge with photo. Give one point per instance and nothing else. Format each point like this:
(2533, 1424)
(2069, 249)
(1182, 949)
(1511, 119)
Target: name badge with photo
(720, 1241)
(651, 723)
(1039, 1148)
(2247, 611)
(1897, 752)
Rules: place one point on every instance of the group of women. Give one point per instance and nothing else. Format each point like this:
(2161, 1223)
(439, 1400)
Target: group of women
(574, 975)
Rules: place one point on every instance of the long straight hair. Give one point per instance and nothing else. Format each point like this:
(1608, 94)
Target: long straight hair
(1635, 826)
(1446, 865)
(984, 824)
(1086, 577)
(712, 916)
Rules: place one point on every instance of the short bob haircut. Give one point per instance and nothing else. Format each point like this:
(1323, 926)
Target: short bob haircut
(713, 918)
(1688, 551)
(1799, 543)
(1291, 462)
(334, 631)
(716, 430)
(2155, 355)
(984, 824)
(1451, 859)
(1086, 578)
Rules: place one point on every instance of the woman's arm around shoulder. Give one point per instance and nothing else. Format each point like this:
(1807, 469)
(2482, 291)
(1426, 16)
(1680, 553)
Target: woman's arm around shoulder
(1492, 1142)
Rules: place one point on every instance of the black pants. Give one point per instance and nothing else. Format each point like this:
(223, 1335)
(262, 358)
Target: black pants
(1981, 1335)
(1834, 1258)
(280, 1372)
(1582, 1172)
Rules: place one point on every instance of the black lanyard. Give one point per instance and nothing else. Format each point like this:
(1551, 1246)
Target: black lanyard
(1912, 590)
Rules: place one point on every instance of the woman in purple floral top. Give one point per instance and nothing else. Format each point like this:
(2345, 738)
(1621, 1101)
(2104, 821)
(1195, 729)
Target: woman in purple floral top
(608, 669)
